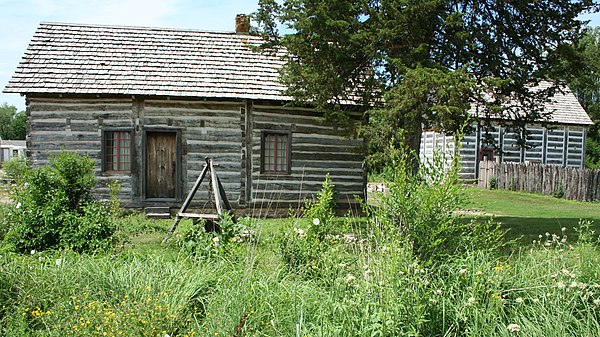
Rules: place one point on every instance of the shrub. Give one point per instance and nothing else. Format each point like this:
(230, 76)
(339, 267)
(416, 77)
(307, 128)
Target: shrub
(559, 192)
(321, 209)
(15, 168)
(196, 240)
(493, 183)
(422, 205)
(53, 208)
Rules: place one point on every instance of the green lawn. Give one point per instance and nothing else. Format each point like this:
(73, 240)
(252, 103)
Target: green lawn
(530, 215)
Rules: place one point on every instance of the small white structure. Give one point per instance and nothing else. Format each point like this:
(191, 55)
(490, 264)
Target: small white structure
(12, 148)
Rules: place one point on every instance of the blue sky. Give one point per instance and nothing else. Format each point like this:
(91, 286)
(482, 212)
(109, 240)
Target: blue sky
(20, 18)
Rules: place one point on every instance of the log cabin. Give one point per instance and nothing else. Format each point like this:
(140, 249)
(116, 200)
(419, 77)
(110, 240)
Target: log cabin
(557, 139)
(149, 104)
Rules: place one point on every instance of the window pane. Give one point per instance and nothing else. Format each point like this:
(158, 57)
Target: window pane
(275, 153)
(117, 149)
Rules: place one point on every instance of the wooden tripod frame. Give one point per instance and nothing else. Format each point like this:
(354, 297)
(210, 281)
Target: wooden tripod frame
(221, 202)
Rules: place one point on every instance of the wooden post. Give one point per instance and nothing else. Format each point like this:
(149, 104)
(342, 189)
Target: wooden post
(187, 201)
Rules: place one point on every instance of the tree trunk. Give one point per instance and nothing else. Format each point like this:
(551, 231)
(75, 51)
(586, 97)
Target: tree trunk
(413, 144)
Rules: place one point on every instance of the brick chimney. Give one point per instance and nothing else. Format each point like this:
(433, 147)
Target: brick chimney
(242, 24)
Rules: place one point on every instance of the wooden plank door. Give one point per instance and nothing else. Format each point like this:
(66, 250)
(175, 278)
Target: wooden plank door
(161, 164)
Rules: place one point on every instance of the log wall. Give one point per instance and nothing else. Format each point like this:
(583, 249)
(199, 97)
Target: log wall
(209, 129)
(316, 150)
(227, 131)
(562, 145)
(57, 124)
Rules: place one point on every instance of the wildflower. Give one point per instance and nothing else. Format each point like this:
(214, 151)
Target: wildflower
(58, 262)
(438, 292)
(350, 278)
(18, 205)
(513, 328)
(462, 271)
(563, 229)
(519, 300)
(498, 298)
(40, 258)
(560, 285)
(433, 301)
(597, 302)
(316, 221)
(471, 301)
(33, 252)
(300, 232)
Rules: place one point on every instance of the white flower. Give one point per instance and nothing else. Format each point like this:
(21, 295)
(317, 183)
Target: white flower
(18, 205)
(58, 262)
(471, 301)
(563, 229)
(316, 221)
(519, 300)
(560, 285)
(350, 278)
(32, 251)
(513, 328)
(462, 271)
(216, 239)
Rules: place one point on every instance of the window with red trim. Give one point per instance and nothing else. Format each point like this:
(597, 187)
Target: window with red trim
(275, 153)
(117, 151)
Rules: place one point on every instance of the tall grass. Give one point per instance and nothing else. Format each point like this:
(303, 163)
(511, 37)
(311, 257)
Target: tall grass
(312, 276)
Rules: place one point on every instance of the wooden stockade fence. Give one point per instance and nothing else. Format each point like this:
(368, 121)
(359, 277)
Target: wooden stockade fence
(572, 183)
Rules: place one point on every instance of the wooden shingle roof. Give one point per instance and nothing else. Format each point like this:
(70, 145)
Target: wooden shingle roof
(564, 108)
(94, 59)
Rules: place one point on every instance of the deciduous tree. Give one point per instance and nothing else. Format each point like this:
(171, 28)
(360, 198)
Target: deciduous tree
(587, 88)
(12, 123)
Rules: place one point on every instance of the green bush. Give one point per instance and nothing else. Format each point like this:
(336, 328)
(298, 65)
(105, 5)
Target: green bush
(320, 210)
(53, 208)
(197, 241)
(559, 192)
(493, 183)
(15, 168)
(423, 206)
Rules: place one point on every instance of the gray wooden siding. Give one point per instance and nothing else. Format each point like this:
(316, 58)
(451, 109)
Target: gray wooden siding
(562, 145)
(209, 129)
(316, 150)
(227, 131)
(57, 124)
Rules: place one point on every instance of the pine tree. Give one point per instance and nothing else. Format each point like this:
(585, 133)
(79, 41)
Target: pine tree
(424, 61)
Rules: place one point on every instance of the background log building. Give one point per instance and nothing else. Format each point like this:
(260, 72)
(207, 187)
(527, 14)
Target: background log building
(560, 140)
(150, 104)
